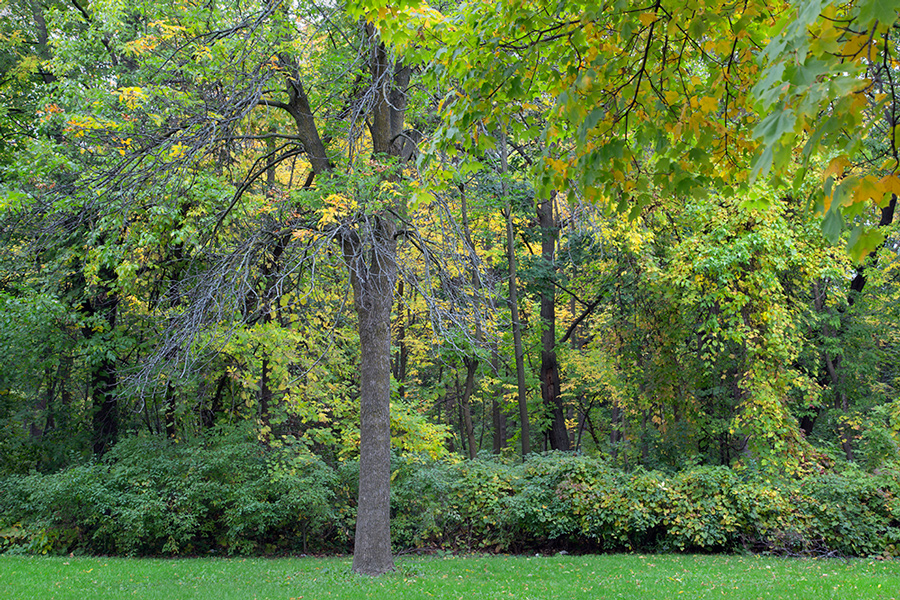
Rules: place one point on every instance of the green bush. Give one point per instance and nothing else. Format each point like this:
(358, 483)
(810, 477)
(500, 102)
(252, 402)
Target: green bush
(226, 493)
(420, 490)
(152, 496)
(851, 513)
(476, 514)
(701, 510)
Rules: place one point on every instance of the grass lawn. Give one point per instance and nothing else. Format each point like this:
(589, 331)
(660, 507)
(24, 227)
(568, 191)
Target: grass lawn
(657, 577)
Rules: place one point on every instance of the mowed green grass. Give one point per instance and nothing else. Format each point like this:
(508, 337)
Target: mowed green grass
(657, 577)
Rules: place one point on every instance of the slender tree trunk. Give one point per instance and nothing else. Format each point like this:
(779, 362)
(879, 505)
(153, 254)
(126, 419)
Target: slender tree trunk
(448, 410)
(497, 415)
(615, 433)
(470, 362)
(400, 355)
(267, 308)
(591, 429)
(265, 401)
(466, 407)
(576, 343)
(841, 403)
(517, 335)
(463, 437)
(514, 307)
(583, 421)
(833, 364)
(645, 438)
(170, 411)
(208, 415)
(106, 407)
(43, 415)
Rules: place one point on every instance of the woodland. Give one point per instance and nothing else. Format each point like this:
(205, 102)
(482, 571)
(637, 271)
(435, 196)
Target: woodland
(312, 276)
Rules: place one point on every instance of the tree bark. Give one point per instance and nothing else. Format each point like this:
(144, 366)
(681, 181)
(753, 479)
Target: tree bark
(615, 431)
(497, 415)
(833, 364)
(550, 381)
(402, 352)
(369, 251)
(466, 407)
(373, 284)
(104, 378)
(208, 415)
(381, 127)
(373, 290)
(514, 308)
(471, 362)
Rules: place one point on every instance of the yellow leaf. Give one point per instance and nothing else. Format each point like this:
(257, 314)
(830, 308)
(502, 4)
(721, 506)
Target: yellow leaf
(177, 151)
(891, 185)
(647, 18)
(708, 104)
(855, 44)
(328, 216)
(836, 167)
(868, 188)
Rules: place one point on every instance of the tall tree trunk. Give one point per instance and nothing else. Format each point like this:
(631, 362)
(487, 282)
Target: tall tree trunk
(405, 319)
(514, 306)
(550, 382)
(466, 406)
(841, 403)
(369, 251)
(373, 282)
(471, 361)
(615, 431)
(42, 419)
(497, 415)
(373, 289)
(208, 415)
(586, 415)
(265, 402)
(833, 363)
(267, 313)
(106, 407)
(104, 379)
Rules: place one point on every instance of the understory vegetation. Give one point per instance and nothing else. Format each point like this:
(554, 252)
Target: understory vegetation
(228, 495)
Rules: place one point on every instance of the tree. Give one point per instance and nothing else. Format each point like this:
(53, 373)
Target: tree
(186, 81)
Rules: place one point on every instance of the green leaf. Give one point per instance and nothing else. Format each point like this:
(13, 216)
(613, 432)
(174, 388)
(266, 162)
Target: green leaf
(833, 224)
(774, 126)
(864, 240)
(883, 11)
(763, 164)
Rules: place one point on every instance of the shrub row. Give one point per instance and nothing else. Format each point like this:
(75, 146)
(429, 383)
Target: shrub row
(583, 504)
(151, 496)
(229, 495)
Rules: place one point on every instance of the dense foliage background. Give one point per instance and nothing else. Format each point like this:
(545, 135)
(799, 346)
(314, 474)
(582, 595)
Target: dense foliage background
(628, 297)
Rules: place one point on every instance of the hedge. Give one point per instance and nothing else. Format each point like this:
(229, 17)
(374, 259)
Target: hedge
(230, 495)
